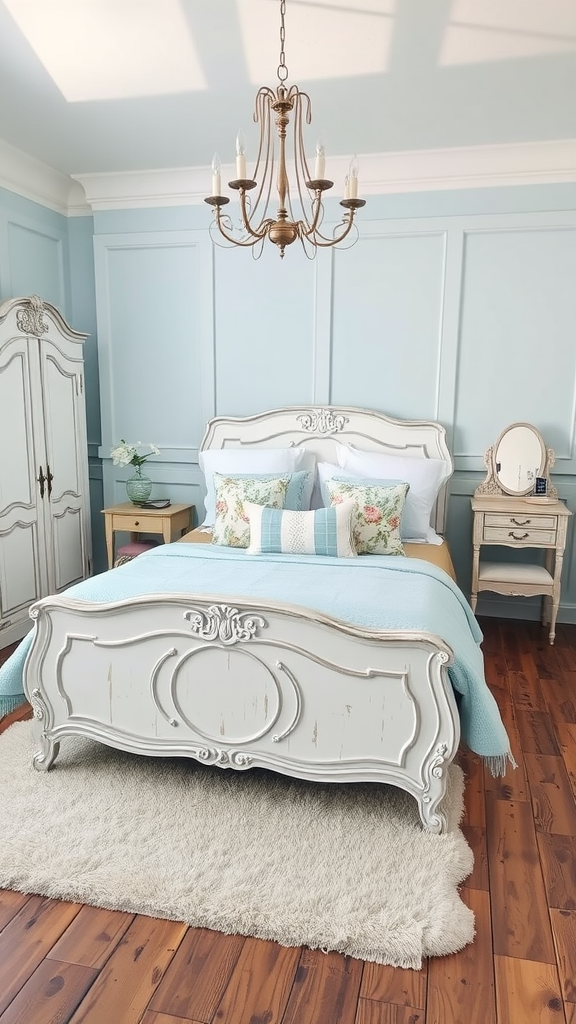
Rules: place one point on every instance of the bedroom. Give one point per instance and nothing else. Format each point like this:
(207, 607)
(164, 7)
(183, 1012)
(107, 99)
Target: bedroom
(487, 233)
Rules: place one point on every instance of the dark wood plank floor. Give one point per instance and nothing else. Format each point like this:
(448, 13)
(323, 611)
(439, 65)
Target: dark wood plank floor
(62, 963)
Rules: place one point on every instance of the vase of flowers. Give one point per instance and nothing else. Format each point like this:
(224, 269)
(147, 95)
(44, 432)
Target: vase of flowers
(138, 486)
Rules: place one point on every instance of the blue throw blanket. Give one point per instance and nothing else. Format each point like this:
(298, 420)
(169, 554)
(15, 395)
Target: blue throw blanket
(375, 591)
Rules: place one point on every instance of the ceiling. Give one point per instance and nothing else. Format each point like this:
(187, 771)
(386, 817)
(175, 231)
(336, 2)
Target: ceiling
(152, 84)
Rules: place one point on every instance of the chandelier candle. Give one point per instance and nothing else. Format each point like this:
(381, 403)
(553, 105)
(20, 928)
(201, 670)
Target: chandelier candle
(319, 168)
(352, 189)
(241, 156)
(258, 222)
(216, 179)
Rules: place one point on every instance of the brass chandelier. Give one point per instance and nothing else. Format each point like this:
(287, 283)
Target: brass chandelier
(283, 229)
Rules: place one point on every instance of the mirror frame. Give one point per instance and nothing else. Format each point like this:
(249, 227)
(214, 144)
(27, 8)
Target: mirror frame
(497, 463)
(493, 485)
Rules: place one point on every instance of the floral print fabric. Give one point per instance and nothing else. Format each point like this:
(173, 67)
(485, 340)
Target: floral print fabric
(376, 516)
(232, 524)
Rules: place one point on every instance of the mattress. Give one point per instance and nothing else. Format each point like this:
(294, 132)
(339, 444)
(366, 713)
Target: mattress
(436, 554)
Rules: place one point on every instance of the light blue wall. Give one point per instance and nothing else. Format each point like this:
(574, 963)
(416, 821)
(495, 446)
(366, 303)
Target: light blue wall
(457, 306)
(44, 253)
(34, 254)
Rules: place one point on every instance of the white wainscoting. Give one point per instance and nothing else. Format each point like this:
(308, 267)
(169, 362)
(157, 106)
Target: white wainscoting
(156, 345)
(465, 319)
(34, 258)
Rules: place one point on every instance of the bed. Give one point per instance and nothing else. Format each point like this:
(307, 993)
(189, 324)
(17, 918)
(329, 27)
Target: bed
(242, 661)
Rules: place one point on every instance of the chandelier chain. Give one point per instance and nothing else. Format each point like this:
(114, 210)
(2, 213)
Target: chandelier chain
(286, 109)
(282, 69)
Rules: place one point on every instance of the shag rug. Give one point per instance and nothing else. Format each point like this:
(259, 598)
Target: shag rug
(340, 867)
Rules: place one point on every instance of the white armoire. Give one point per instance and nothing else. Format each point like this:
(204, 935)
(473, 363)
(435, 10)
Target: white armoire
(44, 499)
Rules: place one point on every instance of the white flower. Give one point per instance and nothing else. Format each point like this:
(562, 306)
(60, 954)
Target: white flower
(124, 454)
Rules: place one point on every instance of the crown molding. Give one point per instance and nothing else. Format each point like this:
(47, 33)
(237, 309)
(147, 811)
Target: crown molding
(527, 163)
(34, 180)
(530, 163)
(523, 163)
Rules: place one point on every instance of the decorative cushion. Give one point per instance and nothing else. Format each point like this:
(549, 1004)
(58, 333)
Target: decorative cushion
(425, 477)
(231, 526)
(324, 531)
(299, 486)
(237, 461)
(415, 512)
(129, 551)
(376, 516)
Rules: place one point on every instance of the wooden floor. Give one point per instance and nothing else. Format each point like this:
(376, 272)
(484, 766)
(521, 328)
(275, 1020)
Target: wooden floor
(61, 962)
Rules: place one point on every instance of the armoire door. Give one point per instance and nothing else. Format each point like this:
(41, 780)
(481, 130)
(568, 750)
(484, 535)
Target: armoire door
(66, 501)
(23, 566)
(44, 499)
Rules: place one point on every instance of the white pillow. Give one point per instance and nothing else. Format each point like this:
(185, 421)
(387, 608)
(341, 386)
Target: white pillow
(230, 461)
(425, 477)
(324, 471)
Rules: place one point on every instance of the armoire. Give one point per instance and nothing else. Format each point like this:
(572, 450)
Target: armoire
(45, 540)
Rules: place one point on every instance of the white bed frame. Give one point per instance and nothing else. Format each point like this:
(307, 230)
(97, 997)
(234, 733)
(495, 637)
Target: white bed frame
(239, 683)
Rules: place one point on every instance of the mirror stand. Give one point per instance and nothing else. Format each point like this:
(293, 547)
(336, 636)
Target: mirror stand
(491, 486)
(519, 465)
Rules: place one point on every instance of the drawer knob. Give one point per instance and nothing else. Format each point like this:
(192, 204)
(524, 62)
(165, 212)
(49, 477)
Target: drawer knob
(137, 523)
(513, 535)
(525, 522)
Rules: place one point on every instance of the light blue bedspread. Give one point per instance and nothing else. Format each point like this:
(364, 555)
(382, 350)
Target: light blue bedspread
(375, 591)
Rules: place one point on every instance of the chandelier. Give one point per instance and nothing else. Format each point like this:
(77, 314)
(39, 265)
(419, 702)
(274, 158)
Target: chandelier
(256, 223)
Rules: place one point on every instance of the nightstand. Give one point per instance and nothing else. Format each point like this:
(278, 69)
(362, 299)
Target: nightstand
(171, 522)
(520, 523)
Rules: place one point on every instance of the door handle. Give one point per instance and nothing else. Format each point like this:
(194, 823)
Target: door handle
(41, 480)
(49, 477)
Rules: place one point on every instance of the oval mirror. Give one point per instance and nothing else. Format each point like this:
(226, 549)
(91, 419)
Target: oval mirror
(519, 457)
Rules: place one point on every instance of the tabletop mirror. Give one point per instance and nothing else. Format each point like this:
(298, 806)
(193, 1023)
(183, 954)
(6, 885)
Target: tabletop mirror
(519, 464)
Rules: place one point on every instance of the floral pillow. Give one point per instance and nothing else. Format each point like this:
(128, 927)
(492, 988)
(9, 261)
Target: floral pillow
(232, 524)
(377, 514)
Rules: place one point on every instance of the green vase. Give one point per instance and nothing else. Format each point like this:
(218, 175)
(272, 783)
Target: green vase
(139, 486)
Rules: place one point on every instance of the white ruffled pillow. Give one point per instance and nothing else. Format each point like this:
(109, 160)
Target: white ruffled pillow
(425, 477)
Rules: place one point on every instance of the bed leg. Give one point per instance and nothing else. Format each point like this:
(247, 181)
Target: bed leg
(430, 799)
(432, 819)
(43, 758)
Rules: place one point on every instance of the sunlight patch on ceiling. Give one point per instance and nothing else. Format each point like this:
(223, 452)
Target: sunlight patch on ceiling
(497, 30)
(324, 38)
(111, 49)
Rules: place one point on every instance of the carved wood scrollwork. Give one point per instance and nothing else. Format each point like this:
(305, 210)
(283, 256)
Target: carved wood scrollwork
(224, 623)
(29, 320)
(322, 421)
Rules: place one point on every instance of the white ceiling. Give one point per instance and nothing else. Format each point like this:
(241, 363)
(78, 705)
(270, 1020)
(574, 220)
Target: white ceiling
(152, 84)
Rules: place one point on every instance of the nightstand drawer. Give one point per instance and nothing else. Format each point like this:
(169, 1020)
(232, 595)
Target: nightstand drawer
(507, 535)
(528, 522)
(138, 523)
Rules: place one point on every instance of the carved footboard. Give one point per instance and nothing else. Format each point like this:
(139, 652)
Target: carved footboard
(241, 684)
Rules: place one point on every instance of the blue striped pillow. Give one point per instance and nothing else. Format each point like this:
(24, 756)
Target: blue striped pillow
(323, 531)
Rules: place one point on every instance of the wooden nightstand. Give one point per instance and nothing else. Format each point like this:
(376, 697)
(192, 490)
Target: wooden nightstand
(171, 522)
(520, 523)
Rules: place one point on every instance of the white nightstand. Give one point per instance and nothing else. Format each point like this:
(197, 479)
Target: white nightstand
(520, 523)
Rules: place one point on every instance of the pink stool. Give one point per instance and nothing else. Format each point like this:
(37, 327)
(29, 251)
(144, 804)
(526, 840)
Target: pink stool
(129, 551)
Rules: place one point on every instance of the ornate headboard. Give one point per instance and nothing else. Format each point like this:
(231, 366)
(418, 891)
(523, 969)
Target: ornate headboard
(322, 429)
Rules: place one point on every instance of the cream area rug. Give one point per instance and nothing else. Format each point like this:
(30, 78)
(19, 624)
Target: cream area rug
(342, 867)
